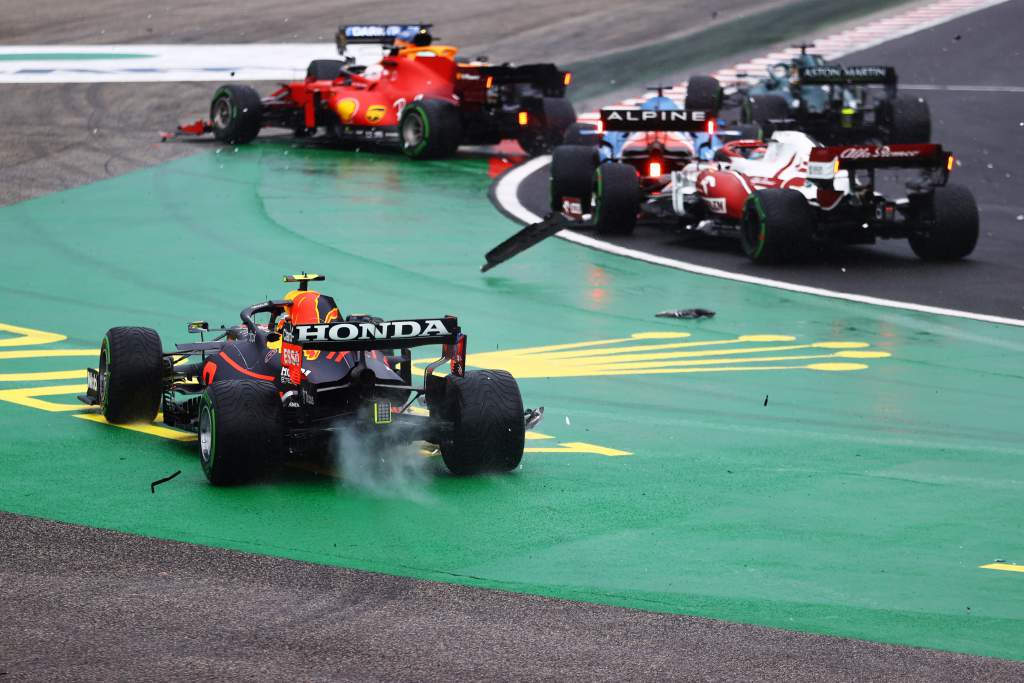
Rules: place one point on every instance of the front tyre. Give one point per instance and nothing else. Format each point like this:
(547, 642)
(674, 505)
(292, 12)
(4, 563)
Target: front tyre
(488, 431)
(952, 232)
(572, 175)
(616, 198)
(236, 114)
(131, 374)
(430, 129)
(777, 226)
(241, 430)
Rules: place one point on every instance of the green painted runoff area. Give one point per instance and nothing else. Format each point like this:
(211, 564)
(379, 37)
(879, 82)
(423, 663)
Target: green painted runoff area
(860, 501)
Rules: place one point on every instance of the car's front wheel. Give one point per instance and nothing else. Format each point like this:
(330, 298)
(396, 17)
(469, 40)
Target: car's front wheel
(236, 114)
(131, 374)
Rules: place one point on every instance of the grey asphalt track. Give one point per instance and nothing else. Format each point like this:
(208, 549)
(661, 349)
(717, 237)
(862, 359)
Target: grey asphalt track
(983, 127)
(85, 604)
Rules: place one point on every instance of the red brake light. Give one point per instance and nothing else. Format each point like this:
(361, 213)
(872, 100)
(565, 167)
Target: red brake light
(567, 79)
(654, 169)
(949, 163)
(489, 82)
(712, 127)
(524, 118)
(600, 127)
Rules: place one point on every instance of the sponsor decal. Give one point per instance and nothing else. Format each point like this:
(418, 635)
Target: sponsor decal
(821, 169)
(347, 109)
(399, 105)
(849, 74)
(572, 206)
(93, 381)
(883, 152)
(375, 113)
(286, 377)
(648, 115)
(715, 204)
(368, 331)
(290, 356)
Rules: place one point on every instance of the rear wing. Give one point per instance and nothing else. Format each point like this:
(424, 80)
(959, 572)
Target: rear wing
(657, 120)
(825, 162)
(480, 79)
(372, 336)
(849, 75)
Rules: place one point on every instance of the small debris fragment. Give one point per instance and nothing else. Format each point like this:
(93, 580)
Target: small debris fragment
(688, 313)
(567, 423)
(1020, 216)
(152, 487)
(766, 400)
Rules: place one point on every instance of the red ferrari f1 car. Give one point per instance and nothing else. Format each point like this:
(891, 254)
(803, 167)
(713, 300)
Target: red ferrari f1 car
(420, 97)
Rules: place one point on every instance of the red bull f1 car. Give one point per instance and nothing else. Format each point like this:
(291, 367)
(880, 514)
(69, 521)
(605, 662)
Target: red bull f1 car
(283, 386)
(420, 97)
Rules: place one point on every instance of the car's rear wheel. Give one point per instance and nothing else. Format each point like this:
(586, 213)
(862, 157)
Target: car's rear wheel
(703, 93)
(761, 109)
(487, 434)
(777, 226)
(572, 175)
(546, 126)
(131, 374)
(616, 198)
(952, 232)
(241, 430)
(909, 120)
(236, 114)
(430, 129)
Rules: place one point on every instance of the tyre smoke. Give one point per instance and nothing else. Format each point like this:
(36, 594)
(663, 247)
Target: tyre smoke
(383, 469)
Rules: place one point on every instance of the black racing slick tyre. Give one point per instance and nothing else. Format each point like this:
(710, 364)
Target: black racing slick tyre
(572, 175)
(488, 430)
(952, 232)
(430, 129)
(579, 133)
(236, 114)
(131, 374)
(764, 108)
(910, 120)
(703, 93)
(547, 125)
(241, 430)
(324, 69)
(777, 226)
(616, 198)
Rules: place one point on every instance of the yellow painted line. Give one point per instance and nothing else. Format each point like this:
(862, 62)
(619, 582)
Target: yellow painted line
(578, 447)
(29, 397)
(152, 429)
(48, 353)
(660, 347)
(37, 376)
(26, 336)
(1004, 566)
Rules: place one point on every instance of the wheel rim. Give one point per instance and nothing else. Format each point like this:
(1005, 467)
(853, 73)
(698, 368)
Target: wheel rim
(104, 373)
(412, 130)
(752, 229)
(222, 113)
(205, 434)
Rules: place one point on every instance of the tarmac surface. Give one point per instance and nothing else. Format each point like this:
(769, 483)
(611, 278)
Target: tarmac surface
(968, 71)
(87, 604)
(84, 603)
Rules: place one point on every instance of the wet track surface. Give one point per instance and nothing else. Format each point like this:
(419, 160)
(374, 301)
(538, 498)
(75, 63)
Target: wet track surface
(982, 127)
(131, 606)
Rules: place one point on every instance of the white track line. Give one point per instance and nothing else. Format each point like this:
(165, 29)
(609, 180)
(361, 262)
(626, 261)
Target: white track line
(506, 190)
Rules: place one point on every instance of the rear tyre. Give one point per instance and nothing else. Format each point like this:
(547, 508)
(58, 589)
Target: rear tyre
(777, 226)
(488, 431)
(236, 114)
(616, 198)
(703, 93)
(764, 108)
(581, 134)
(572, 175)
(430, 129)
(953, 232)
(241, 430)
(324, 69)
(910, 120)
(131, 374)
(554, 117)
